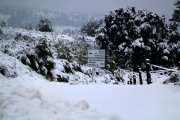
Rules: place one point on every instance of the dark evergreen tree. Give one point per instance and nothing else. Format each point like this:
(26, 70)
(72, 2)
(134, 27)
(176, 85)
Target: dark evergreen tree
(174, 35)
(45, 26)
(130, 36)
(175, 20)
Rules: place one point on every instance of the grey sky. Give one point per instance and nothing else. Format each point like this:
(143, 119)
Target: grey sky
(96, 6)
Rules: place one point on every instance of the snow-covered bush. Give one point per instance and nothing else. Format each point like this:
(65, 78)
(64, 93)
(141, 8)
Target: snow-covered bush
(174, 78)
(79, 49)
(62, 79)
(91, 27)
(7, 71)
(1, 33)
(45, 25)
(74, 50)
(67, 68)
(19, 36)
(63, 51)
(40, 59)
(43, 58)
(76, 67)
(8, 66)
(2, 23)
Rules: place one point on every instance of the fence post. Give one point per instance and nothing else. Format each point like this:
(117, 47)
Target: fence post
(134, 79)
(148, 68)
(140, 77)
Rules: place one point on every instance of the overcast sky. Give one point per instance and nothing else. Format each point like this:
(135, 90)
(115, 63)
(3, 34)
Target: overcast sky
(96, 6)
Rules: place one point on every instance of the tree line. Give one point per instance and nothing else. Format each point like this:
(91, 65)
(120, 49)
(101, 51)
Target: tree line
(131, 36)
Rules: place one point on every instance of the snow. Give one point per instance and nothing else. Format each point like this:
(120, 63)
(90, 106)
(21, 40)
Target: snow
(36, 100)
(138, 43)
(26, 95)
(25, 98)
(30, 96)
(156, 102)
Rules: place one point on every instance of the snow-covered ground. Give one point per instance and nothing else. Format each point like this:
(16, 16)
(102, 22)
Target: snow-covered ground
(26, 95)
(29, 97)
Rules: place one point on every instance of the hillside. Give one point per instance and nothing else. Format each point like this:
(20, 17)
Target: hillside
(61, 55)
(26, 17)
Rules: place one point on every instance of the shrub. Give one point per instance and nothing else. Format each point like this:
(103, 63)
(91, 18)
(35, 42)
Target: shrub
(7, 71)
(40, 61)
(174, 78)
(1, 33)
(62, 79)
(45, 26)
(91, 27)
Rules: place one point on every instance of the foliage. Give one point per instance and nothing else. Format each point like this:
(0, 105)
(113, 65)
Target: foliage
(174, 47)
(63, 51)
(79, 49)
(6, 71)
(41, 60)
(1, 32)
(45, 26)
(91, 27)
(130, 36)
(175, 20)
(174, 78)
(19, 36)
(73, 51)
(2, 23)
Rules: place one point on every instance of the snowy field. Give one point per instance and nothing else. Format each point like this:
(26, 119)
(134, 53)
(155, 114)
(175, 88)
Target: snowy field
(29, 97)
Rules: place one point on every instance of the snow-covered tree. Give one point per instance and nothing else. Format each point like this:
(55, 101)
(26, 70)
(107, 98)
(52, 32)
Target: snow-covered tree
(45, 26)
(132, 35)
(1, 32)
(91, 27)
(175, 20)
(2, 23)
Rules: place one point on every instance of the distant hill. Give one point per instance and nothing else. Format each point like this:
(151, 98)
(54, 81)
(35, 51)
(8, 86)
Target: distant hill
(22, 17)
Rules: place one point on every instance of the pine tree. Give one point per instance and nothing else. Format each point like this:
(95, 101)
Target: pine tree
(175, 20)
(130, 36)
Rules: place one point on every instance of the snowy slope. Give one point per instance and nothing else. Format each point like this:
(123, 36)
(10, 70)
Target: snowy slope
(27, 95)
(30, 97)
(19, 43)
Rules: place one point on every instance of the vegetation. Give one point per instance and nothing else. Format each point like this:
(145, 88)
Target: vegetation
(175, 20)
(91, 27)
(45, 26)
(130, 36)
(1, 32)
